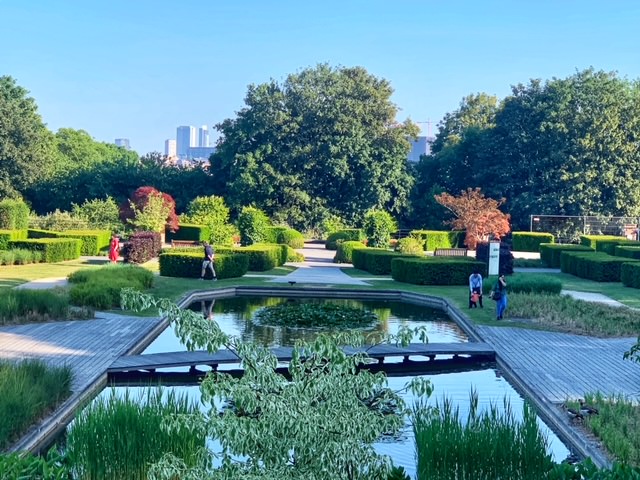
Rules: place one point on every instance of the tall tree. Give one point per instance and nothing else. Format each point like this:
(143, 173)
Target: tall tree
(26, 146)
(324, 140)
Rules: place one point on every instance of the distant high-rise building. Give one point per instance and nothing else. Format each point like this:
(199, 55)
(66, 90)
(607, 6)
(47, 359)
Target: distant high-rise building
(203, 136)
(170, 148)
(185, 139)
(419, 146)
(123, 142)
(200, 153)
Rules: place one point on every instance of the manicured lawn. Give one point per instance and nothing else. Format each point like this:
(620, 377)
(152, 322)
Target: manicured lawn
(13, 275)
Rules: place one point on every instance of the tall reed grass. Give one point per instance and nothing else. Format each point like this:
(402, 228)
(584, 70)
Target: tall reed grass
(24, 306)
(28, 390)
(19, 256)
(488, 446)
(119, 437)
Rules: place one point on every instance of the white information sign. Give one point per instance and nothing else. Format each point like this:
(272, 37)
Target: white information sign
(494, 258)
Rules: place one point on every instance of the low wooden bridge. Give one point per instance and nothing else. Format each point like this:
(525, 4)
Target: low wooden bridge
(427, 351)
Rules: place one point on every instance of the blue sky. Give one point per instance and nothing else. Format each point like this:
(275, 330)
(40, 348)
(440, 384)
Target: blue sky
(139, 68)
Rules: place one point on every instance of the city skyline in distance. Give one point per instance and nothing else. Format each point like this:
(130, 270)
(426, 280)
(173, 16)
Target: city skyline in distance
(119, 76)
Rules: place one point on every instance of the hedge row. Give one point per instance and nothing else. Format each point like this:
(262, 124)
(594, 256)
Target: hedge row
(52, 249)
(609, 246)
(596, 266)
(592, 241)
(93, 241)
(14, 215)
(189, 231)
(435, 270)
(376, 261)
(550, 252)
(530, 241)
(261, 257)
(627, 252)
(433, 239)
(189, 265)
(346, 234)
(344, 253)
(7, 236)
(630, 274)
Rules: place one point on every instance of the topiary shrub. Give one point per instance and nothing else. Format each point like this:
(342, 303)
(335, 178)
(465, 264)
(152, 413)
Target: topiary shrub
(609, 246)
(630, 274)
(273, 234)
(189, 231)
(378, 226)
(436, 270)
(39, 233)
(627, 252)
(7, 236)
(592, 241)
(14, 215)
(261, 257)
(433, 239)
(550, 252)
(141, 247)
(530, 241)
(52, 249)
(376, 261)
(189, 265)
(253, 225)
(506, 257)
(409, 246)
(293, 256)
(291, 237)
(346, 234)
(344, 253)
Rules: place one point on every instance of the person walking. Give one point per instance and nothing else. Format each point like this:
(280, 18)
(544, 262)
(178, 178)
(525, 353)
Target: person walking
(500, 296)
(475, 286)
(114, 249)
(208, 261)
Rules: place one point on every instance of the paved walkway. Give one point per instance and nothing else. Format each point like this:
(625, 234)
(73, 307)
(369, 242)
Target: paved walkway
(593, 297)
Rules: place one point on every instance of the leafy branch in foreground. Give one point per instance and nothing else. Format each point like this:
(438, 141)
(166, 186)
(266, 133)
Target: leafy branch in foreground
(320, 423)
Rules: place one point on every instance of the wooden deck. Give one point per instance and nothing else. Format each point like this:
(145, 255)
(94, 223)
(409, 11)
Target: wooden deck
(154, 361)
(561, 366)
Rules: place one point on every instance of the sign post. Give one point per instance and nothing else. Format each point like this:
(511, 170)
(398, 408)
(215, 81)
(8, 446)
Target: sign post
(494, 258)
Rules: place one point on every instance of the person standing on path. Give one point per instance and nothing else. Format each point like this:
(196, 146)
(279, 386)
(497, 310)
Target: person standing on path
(475, 286)
(208, 261)
(114, 249)
(500, 296)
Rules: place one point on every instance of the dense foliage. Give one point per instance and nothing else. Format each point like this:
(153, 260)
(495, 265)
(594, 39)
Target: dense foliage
(213, 213)
(378, 227)
(295, 314)
(253, 225)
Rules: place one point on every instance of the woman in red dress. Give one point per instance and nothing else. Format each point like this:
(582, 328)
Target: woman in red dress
(114, 249)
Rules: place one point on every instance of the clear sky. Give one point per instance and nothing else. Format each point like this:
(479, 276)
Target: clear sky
(139, 68)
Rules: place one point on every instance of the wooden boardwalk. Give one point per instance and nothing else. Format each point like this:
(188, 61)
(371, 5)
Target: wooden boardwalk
(561, 366)
(154, 361)
(87, 346)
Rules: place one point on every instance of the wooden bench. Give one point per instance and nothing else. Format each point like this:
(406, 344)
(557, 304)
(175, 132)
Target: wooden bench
(184, 243)
(450, 252)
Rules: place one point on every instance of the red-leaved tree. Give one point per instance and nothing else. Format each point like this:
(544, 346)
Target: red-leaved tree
(140, 198)
(477, 215)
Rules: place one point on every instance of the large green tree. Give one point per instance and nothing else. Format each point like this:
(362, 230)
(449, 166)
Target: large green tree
(26, 146)
(324, 141)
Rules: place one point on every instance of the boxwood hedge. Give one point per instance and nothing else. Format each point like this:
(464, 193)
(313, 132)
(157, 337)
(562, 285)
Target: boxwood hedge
(592, 241)
(550, 252)
(7, 236)
(189, 265)
(627, 252)
(630, 274)
(52, 249)
(93, 241)
(435, 270)
(344, 253)
(376, 261)
(346, 234)
(609, 246)
(262, 257)
(433, 239)
(530, 241)
(597, 266)
(189, 231)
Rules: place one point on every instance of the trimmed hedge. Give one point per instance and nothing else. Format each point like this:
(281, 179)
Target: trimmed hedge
(505, 264)
(592, 241)
(344, 253)
(7, 236)
(609, 246)
(262, 257)
(630, 274)
(38, 233)
(93, 241)
(530, 241)
(597, 266)
(14, 215)
(142, 247)
(550, 252)
(346, 234)
(436, 270)
(433, 239)
(627, 252)
(528, 284)
(273, 234)
(189, 265)
(52, 249)
(189, 231)
(376, 261)
(291, 237)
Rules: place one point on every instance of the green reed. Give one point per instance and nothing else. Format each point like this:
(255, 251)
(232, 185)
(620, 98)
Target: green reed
(489, 445)
(24, 306)
(28, 390)
(118, 437)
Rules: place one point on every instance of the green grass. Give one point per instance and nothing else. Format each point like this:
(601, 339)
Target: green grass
(27, 306)
(28, 391)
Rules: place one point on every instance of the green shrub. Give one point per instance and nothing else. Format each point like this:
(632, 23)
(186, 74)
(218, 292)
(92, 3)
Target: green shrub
(378, 226)
(538, 284)
(433, 239)
(436, 270)
(253, 224)
(376, 261)
(189, 265)
(24, 306)
(609, 246)
(592, 241)
(410, 246)
(52, 249)
(261, 257)
(293, 256)
(344, 253)
(627, 252)
(14, 215)
(273, 234)
(142, 247)
(7, 236)
(346, 234)
(189, 231)
(291, 237)
(550, 252)
(213, 213)
(630, 274)
(93, 241)
(23, 465)
(40, 233)
(283, 251)
(597, 266)
(530, 241)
